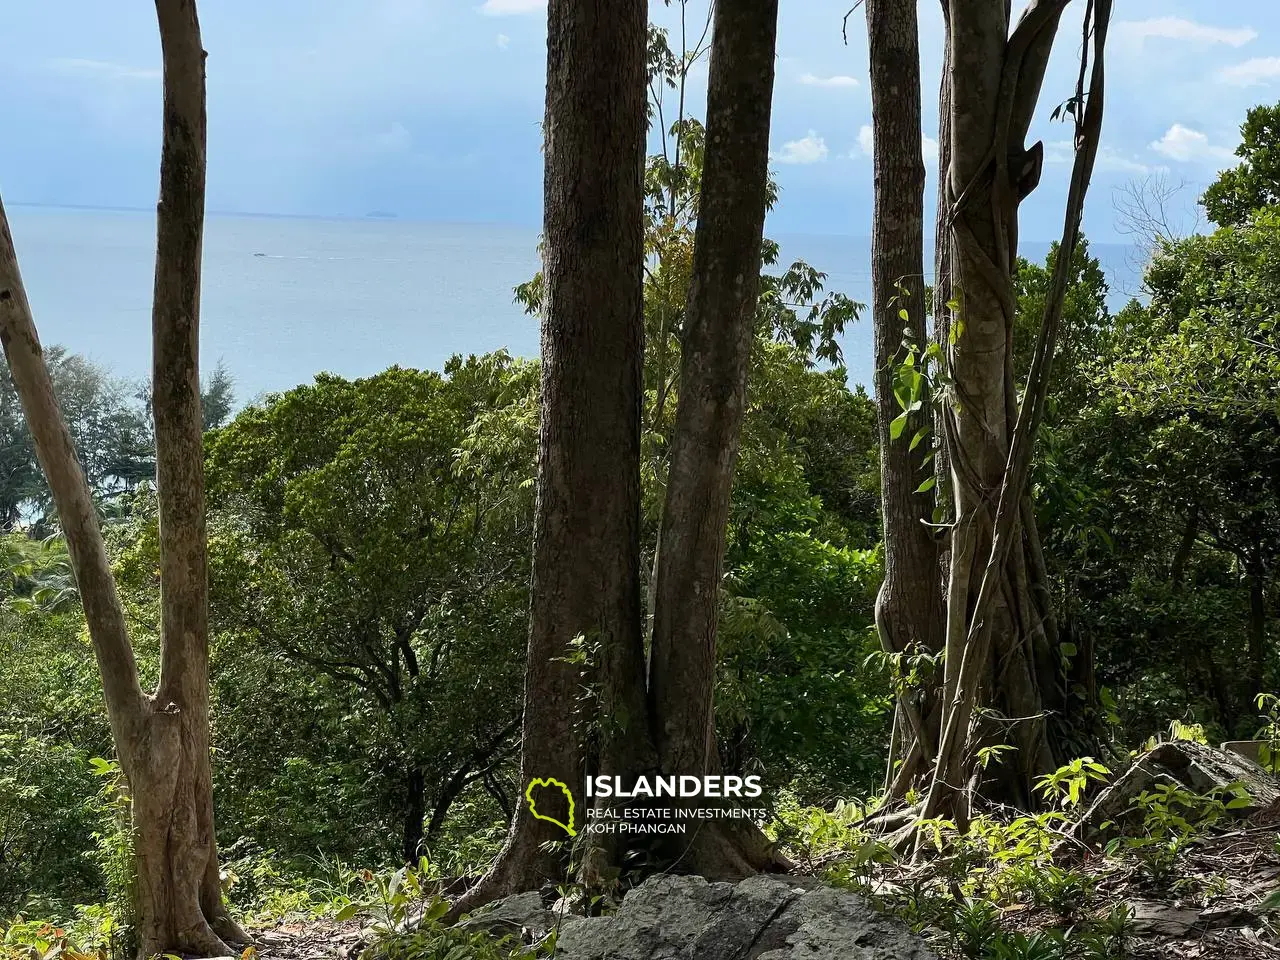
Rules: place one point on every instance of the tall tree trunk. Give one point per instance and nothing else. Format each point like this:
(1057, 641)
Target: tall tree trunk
(719, 330)
(163, 739)
(909, 606)
(586, 575)
(1004, 683)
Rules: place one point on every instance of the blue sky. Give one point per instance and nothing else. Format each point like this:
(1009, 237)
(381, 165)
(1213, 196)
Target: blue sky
(430, 108)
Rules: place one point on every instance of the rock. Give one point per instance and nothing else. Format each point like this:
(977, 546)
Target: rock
(524, 915)
(1218, 918)
(1162, 919)
(1182, 763)
(761, 918)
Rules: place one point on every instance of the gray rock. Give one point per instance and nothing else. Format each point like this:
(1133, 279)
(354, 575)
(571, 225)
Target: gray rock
(1162, 919)
(1183, 763)
(523, 915)
(761, 918)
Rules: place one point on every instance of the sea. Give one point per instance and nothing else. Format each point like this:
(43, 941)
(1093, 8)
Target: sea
(285, 298)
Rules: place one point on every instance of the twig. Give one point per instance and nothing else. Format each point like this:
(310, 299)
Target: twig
(844, 24)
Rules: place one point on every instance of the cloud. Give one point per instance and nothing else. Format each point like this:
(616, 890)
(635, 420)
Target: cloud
(866, 139)
(810, 149)
(1189, 146)
(102, 69)
(1108, 160)
(841, 80)
(930, 149)
(1176, 28)
(503, 41)
(503, 8)
(1115, 162)
(1251, 73)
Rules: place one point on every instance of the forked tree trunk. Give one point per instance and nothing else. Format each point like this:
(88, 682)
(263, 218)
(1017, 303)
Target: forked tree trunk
(719, 331)
(909, 606)
(163, 739)
(586, 574)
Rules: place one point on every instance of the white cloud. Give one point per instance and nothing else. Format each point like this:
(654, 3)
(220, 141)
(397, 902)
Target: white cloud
(1189, 146)
(503, 41)
(866, 139)
(102, 69)
(1251, 73)
(930, 149)
(1115, 162)
(812, 80)
(1176, 28)
(810, 149)
(502, 8)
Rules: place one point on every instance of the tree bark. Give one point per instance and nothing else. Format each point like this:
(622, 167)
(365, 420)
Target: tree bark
(1004, 680)
(1257, 675)
(909, 606)
(586, 575)
(719, 331)
(163, 739)
(415, 812)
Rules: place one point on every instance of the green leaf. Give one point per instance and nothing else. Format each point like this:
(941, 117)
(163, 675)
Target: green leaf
(347, 912)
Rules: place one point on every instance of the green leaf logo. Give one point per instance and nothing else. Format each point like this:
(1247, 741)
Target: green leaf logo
(533, 805)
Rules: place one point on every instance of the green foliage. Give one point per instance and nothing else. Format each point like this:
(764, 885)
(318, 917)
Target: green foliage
(46, 828)
(1269, 749)
(1067, 785)
(110, 424)
(833, 841)
(1155, 483)
(432, 941)
(1172, 819)
(373, 535)
(1255, 182)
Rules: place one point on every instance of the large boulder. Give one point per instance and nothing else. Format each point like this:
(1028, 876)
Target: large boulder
(1186, 764)
(761, 918)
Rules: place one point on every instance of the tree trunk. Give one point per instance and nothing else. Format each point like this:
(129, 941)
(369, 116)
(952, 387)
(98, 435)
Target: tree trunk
(719, 331)
(162, 740)
(586, 576)
(909, 605)
(175, 833)
(1004, 683)
(1257, 626)
(415, 812)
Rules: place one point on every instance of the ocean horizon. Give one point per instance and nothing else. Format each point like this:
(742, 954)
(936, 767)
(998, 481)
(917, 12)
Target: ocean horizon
(285, 297)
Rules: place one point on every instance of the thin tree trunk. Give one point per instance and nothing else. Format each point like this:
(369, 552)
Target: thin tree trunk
(586, 575)
(415, 812)
(174, 820)
(163, 739)
(719, 331)
(909, 606)
(1257, 628)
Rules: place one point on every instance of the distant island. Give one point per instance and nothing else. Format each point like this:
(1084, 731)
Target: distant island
(380, 215)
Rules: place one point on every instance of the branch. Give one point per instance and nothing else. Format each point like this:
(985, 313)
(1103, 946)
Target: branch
(844, 24)
(71, 495)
